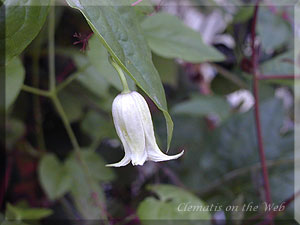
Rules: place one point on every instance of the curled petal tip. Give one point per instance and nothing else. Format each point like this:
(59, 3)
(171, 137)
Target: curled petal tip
(158, 156)
(123, 162)
(181, 153)
(116, 164)
(178, 155)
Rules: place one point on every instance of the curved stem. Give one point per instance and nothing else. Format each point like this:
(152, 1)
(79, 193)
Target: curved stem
(121, 75)
(66, 123)
(61, 112)
(78, 155)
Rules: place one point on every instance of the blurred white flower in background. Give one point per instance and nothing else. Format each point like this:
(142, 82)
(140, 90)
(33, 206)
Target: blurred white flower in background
(242, 98)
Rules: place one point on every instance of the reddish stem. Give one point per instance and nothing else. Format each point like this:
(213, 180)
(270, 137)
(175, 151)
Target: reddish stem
(278, 77)
(98, 203)
(135, 3)
(254, 61)
(66, 71)
(5, 179)
(285, 204)
(172, 176)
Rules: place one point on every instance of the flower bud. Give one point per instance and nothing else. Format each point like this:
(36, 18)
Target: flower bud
(133, 123)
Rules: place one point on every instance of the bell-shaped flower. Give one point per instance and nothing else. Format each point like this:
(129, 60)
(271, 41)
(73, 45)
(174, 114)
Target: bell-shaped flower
(133, 123)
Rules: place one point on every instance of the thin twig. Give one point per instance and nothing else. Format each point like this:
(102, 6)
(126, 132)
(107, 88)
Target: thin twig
(66, 123)
(254, 60)
(230, 76)
(35, 91)
(79, 158)
(240, 172)
(36, 99)
(68, 207)
(171, 175)
(64, 118)
(278, 77)
(137, 2)
(51, 47)
(284, 204)
(128, 219)
(71, 78)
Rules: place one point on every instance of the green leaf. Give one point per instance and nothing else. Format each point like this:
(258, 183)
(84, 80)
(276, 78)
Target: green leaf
(167, 69)
(15, 129)
(202, 106)
(89, 76)
(91, 80)
(20, 213)
(98, 56)
(170, 206)
(95, 165)
(282, 178)
(170, 38)
(84, 187)
(72, 106)
(267, 25)
(54, 177)
(97, 126)
(23, 21)
(82, 196)
(233, 145)
(239, 134)
(279, 65)
(144, 8)
(119, 31)
(14, 78)
(223, 86)
(243, 14)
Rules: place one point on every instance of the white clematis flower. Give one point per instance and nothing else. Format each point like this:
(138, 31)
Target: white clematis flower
(134, 127)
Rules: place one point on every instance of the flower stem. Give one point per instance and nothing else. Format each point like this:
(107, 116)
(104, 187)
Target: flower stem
(230, 76)
(78, 155)
(51, 46)
(35, 91)
(71, 78)
(66, 123)
(121, 75)
(38, 118)
(52, 93)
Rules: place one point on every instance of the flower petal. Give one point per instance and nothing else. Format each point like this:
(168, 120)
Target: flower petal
(156, 155)
(128, 124)
(123, 162)
(152, 149)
